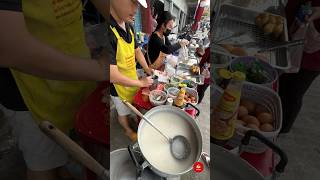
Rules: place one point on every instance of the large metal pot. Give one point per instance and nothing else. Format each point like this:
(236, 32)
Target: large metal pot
(175, 119)
(230, 166)
(123, 168)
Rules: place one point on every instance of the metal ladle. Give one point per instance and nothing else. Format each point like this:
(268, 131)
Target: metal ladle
(179, 145)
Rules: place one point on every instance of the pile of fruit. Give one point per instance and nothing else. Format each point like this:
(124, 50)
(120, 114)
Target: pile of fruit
(255, 116)
(271, 25)
(189, 98)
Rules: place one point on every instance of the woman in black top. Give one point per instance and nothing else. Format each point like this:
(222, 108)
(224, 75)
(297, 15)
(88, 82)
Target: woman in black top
(159, 44)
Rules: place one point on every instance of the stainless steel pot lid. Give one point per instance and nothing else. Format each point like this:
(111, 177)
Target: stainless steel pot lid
(227, 166)
(122, 167)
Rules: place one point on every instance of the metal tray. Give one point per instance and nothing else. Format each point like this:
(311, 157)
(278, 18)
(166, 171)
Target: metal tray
(232, 19)
(183, 71)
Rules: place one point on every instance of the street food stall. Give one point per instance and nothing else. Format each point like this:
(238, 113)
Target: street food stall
(171, 103)
(169, 110)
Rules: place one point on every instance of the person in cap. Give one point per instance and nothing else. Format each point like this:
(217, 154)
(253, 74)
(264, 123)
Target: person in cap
(124, 52)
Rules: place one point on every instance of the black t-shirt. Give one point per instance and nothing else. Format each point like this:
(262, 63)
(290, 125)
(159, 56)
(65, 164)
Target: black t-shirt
(10, 96)
(156, 44)
(12, 5)
(126, 35)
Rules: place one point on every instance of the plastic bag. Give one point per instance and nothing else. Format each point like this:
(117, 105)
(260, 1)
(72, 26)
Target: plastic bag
(183, 54)
(172, 60)
(312, 43)
(170, 70)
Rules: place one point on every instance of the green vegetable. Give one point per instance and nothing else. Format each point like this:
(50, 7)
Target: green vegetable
(188, 83)
(254, 73)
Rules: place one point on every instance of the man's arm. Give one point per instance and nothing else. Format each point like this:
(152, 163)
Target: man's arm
(117, 78)
(102, 6)
(142, 61)
(20, 50)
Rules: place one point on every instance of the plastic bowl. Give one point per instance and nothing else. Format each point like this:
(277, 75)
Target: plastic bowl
(173, 92)
(194, 93)
(270, 73)
(175, 81)
(168, 86)
(155, 94)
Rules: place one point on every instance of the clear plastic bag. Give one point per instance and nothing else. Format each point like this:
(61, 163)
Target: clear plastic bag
(312, 43)
(183, 54)
(170, 70)
(172, 60)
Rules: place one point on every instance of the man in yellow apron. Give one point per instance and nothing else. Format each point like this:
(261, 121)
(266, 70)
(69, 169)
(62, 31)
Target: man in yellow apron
(124, 51)
(49, 34)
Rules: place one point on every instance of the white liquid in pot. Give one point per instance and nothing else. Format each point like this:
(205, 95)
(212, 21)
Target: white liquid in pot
(156, 149)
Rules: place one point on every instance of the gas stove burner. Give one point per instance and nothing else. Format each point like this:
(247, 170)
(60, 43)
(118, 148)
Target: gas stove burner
(143, 172)
(123, 168)
(138, 161)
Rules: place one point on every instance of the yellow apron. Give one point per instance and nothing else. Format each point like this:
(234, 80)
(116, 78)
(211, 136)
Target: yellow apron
(59, 24)
(126, 63)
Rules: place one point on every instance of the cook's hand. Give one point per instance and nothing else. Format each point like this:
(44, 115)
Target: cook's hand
(149, 71)
(315, 15)
(146, 81)
(184, 42)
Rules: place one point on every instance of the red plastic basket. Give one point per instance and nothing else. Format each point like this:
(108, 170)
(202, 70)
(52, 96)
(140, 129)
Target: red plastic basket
(138, 101)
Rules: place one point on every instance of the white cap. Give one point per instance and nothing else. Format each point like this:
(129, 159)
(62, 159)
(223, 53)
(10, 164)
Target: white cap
(143, 3)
